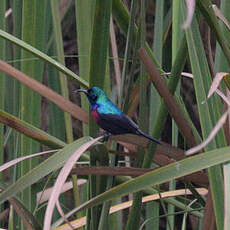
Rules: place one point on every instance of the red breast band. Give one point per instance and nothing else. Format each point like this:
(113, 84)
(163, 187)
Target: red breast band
(95, 115)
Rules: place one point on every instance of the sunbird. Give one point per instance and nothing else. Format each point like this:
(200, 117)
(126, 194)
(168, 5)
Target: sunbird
(109, 117)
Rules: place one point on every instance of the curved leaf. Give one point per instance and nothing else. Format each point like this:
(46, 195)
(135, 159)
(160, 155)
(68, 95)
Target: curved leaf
(43, 56)
(162, 175)
(54, 162)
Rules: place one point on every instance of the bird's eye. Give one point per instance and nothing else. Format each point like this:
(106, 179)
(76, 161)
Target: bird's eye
(94, 97)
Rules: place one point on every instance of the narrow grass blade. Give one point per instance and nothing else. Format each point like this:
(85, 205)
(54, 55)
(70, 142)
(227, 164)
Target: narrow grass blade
(153, 208)
(56, 114)
(99, 48)
(43, 56)
(226, 197)
(211, 18)
(163, 110)
(39, 41)
(177, 37)
(97, 77)
(130, 41)
(2, 82)
(222, 64)
(16, 161)
(61, 59)
(15, 94)
(27, 95)
(122, 17)
(84, 22)
(135, 211)
(208, 116)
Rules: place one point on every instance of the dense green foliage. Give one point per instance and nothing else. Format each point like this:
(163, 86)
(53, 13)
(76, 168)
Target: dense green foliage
(49, 49)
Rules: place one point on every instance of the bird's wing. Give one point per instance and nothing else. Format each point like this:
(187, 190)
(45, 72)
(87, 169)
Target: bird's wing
(117, 124)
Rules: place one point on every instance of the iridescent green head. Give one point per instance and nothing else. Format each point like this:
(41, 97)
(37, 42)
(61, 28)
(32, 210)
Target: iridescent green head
(95, 95)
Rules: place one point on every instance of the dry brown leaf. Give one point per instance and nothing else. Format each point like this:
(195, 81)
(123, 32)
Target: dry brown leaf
(8, 12)
(62, 214)
(184, 74)
(116, 63)
(222, 95)
(63, 103)
(17, 160)
(45, 195)
(190, 4)
(213, 133)
(221, 16)
(116, 208)
(215, 83)
(62, 178)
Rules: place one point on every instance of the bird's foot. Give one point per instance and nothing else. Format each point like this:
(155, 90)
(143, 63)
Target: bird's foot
(106, 135)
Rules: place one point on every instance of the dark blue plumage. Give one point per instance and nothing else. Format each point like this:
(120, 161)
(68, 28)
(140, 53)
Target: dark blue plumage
(109, 117)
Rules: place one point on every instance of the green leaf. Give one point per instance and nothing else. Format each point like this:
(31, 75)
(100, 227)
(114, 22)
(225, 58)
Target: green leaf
(208, 112)
(51, 164)
(163, 175)
(43, 56)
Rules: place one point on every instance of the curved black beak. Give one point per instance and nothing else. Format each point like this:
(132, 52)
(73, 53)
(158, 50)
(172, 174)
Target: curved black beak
(81, 91)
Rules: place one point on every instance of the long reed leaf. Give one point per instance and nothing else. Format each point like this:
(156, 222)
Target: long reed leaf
(162, 175)
(202, 80)
(27, 96)
(44, 91)
(61, 59)
(43, 56)
(51, 164)
(84, 22)
(2, 85)
(98, 62)
(209, 13)
(122, 17)
(135, 211)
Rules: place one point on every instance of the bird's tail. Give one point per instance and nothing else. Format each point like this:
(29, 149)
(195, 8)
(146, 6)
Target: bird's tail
(148, 137)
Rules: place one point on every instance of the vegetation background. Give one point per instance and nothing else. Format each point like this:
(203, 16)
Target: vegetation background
(159, 61)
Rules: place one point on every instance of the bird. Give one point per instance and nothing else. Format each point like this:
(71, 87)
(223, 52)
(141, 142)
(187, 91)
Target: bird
(109, 117)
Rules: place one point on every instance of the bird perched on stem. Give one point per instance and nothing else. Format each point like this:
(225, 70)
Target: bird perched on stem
(109, 117)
